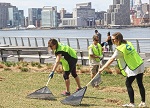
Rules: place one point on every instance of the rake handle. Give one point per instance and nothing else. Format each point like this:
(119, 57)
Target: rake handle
(48, 81)
(93, 78)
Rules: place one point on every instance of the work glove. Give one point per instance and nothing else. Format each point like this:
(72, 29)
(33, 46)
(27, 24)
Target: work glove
(51, 74)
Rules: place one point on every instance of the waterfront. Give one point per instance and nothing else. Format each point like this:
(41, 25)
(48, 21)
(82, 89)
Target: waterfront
(73, 34)
(127, 32)
(78, 39)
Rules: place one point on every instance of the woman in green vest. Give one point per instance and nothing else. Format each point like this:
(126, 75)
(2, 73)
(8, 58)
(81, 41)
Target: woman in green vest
(95, 57)
(68, 58)
(130, 64)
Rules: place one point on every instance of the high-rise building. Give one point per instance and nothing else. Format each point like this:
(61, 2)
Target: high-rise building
(34, 16)
(4, 14)
(118, 13)
(49, 17)
(21, 18)
(99, 18)
(141, 16)
(145, 8)
(10, 16)
(139, 12)
(13, 17)
(62, 13)
(85, 13)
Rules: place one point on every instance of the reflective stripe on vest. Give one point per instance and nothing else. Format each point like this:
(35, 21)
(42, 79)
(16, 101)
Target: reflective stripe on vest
(131, 57)
(96, 51)
(70, 51)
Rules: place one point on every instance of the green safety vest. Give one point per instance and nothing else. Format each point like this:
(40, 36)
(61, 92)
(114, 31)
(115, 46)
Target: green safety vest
(70, 51)
(131, 57)
(96, 51)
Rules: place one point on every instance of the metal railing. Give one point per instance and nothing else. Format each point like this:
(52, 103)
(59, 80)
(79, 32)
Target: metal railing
(141, 44)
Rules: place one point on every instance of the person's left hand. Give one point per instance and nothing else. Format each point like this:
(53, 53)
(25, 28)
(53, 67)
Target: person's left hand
(51, 74)
(100, 57)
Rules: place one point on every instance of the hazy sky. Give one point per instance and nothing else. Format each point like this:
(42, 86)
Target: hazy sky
(98, 5)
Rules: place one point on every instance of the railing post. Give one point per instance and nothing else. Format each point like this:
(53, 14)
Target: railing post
(4, 40)
(10, 41)
(29, 42)
(78, 46)
(16, 41)
(58, 39)
(43, 41)
(88, 43)
(138, 46)
(36, 44)
(68, 42)
(22, 41)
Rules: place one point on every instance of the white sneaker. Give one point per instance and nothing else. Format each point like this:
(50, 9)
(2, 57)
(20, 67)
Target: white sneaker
(142, 105)
(129, 105)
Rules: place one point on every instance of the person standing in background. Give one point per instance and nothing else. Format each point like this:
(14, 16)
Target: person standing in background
(99, 36)
(109, 42)
(131, 66)
(95, 57)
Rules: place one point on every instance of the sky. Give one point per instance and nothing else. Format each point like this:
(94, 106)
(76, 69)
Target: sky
(98, 5)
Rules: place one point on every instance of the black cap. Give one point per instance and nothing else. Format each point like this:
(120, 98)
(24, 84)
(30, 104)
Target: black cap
(108, 33)
(96, 31)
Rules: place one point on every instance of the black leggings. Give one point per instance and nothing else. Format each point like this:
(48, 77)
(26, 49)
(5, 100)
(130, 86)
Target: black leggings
(129, 81)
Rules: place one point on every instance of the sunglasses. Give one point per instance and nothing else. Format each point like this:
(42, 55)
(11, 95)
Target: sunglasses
(112, 39)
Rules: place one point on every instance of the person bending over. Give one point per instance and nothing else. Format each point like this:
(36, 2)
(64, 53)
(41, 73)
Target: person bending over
(68, 58)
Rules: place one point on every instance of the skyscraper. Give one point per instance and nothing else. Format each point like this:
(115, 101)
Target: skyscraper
(34, 16)
(49, 17)
(4, 14)
(118, 13)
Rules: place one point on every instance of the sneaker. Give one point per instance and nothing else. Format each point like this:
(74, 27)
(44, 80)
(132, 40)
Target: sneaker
(66, 93)
(142, 105)
(97, 86)
(129, 105)
(78, 89)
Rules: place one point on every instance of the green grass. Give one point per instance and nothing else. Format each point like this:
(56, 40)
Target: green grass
(111, 93)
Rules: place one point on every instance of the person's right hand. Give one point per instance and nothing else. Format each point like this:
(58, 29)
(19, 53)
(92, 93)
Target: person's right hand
(51, 74)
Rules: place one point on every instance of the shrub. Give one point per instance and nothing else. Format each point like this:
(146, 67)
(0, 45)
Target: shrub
(24, 69)
(8, 64)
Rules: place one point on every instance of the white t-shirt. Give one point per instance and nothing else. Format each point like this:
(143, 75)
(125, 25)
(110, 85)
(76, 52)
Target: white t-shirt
(119, 55)
(92, 61)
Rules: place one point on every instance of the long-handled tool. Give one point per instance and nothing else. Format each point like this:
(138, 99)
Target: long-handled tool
(42, 93)
(76, 98)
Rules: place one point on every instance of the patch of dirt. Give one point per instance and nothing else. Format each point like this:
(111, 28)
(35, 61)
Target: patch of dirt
(147, 71)
(113, 89)
(1, 78)
(118, 102)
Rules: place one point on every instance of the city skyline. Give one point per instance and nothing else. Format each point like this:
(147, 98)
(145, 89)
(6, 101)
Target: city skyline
(98, 5)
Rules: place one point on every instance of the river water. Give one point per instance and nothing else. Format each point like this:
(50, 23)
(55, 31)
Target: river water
(73, 33)
(127, 33)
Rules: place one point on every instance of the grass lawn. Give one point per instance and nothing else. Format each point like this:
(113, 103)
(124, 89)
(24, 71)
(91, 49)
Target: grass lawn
(111, 93)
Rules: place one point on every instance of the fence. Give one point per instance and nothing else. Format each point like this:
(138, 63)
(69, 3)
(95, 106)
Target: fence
(141, 44)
